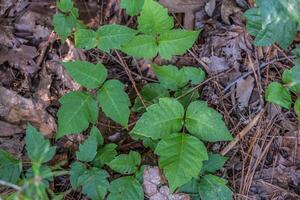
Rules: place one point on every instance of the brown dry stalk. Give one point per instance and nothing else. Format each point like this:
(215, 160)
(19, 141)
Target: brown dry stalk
(242, 134)
(128, 72)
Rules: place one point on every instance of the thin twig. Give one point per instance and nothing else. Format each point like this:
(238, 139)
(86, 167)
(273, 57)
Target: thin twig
(2, 182)
(197, 86)
(242, 133)
(128, 72)
(137, 75)
(199, 61)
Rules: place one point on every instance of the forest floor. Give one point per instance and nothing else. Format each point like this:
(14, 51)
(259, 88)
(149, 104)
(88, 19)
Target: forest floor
(264, 164)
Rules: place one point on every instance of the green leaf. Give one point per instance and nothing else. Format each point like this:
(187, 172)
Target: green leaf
(188, 98)
(65, 5)
(139, 175)
(273, 17)
(297, 107)
(141, 46)
(214, 163)
(114, 101)
(94, 183)
(105, 155)
(193, 74)
(292, 8)
(10, 167)
(205, 123)
(87, 150)
(176, 42)
(44, 172)
(37, 147)
(154, 18)
(264, 37)
(77, 111)
(213, 187)
(86, 74)
(64, 24)
(170, 77)
(291, 77)
(96, 132)
(160, 120)
(253, 18)
(191, 188)
(113, 36)
(150, 93)
(296, 51)
(125, 188)
(85, 39)
(278, 94)
(77, 169)
(133, 7)
(126, 163)
(181, 158)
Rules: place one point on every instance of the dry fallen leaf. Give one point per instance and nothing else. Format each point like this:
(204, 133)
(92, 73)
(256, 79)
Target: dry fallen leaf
(244, 90)
(210, 7)
(228, 8)
(7, 129)
(17, 110)
(188, 7)
(20, 58)
(217, 64)
(155, 188)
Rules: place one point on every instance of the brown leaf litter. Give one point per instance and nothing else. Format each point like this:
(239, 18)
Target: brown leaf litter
(155, 186)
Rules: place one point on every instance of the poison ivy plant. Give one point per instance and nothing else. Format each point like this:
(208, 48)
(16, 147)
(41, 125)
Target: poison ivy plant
(65, 21)
(214, 163)
(273, 16)
(126, 163)
(158, 36)
(160, 120)
(36, 180)
(178, 151)
(127, 188)
(278, 94)
(182, 156)
(38, 149)
(10, 167)
(91, 157)
(154, 36)
(281, 17)
(107, 37)
(281, 94)
(132, 7)
(79, 109)
(171, 79)
(94, 183)
(206, 186)
(213, 187)
(205, 123)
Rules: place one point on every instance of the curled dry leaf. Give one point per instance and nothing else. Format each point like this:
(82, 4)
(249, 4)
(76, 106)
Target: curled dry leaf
(17, 110)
